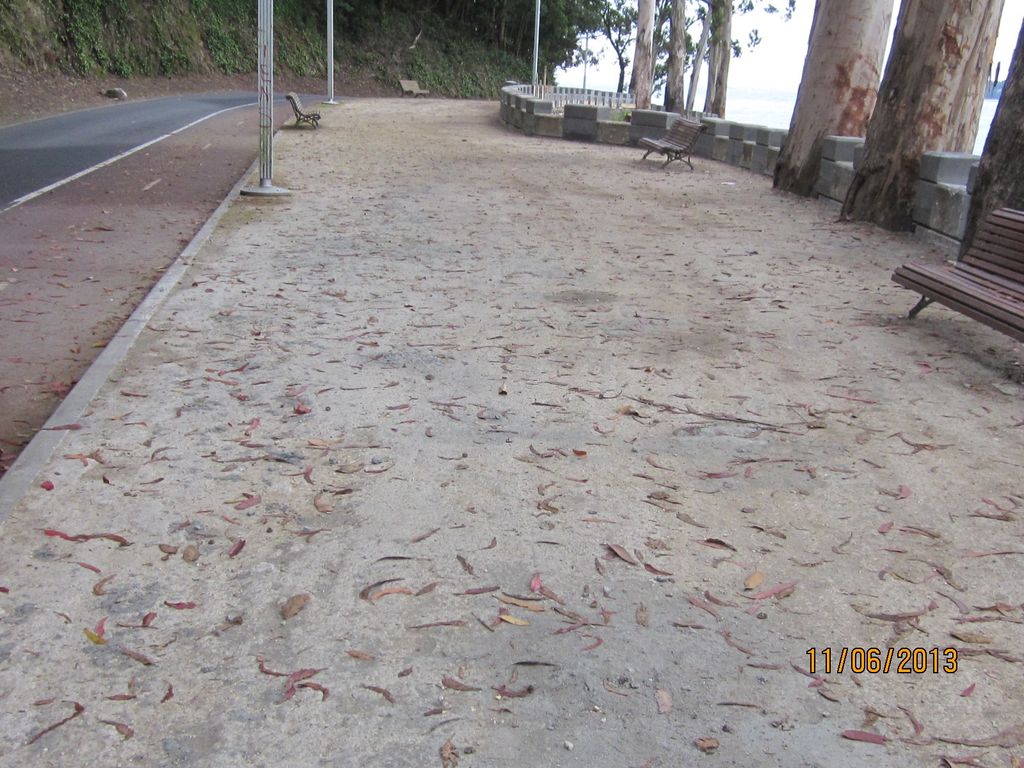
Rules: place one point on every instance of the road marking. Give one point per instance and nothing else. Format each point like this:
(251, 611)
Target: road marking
(151, 185)
(110, 161)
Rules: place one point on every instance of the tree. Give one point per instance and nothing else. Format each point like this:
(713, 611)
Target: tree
(838, 87)
(1000, 181)
(720, 54)
(618, 19)
(930, 99)
(676, 82)
(643, 56)
(698, 58)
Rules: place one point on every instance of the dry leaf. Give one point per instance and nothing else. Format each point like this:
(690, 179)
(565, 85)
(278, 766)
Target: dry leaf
(754, 580)
(452, 684)
(622, 553)
(868, 736)
(706, 744)
(664, 699)
(190, 554)
(515, 620)
(294, 604)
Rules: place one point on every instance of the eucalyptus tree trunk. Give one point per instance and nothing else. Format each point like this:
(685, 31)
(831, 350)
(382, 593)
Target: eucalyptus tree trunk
(930, 100)
(676, 82)
(643, 59)
(1000, 182)
(698, 61)
(721, 54)
(839, 85)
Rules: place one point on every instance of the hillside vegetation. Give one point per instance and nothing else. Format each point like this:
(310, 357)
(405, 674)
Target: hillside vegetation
(130, 38)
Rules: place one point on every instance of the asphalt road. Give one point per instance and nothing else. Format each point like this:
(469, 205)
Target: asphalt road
(76, 260)
(36, 154)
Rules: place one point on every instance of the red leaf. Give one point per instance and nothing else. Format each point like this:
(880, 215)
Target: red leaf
(168, 695)
(123, 728)
(236, 547)
(80, 537)
(79, 709)
(622, 554)
(656, 571)
(294, 677)
(968, 690)
(885, 527)
(251, 500)
(46, 485)
(382, 691)
(871, 738)
(535, 583)
(452, 684)
(301, 409)
(179, 606)
(903, 492)
(69, 427)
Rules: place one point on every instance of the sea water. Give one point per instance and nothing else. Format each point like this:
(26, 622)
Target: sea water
(774, 109)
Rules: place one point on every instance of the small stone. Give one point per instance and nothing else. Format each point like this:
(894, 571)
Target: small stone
(569, 745)
(190, 554)
(115, 93)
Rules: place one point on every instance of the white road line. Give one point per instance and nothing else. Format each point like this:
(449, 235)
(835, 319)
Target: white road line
(110, 161)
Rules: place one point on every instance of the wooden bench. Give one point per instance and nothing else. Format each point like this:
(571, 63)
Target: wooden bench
(986, 283)
(412, 88)
(677, 144)
(301, 115)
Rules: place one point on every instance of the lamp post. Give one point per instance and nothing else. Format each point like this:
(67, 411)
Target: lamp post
(536, 44)
(265, 83)
(330, 53)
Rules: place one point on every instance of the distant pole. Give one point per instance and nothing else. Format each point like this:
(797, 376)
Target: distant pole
(536, 43)
(586, 56)
(265, 65)
(330, 53)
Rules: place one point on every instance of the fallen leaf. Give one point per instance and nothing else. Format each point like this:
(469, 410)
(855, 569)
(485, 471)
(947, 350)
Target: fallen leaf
(656, 571)
(664, 699)
(706, 744)
(868, 736)
(123, 728)
(754, 580)
(79, 709)
(190, 554)
(622, 554)
(294, 604)
(514, 620)
(251, 500)
(505, 692)
(180, 606)
(454, 685)
(361, 655)
(388, 696)
(968, 690)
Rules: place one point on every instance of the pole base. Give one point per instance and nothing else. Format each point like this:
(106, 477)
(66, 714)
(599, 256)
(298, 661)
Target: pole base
(265, 190)
(330, 101)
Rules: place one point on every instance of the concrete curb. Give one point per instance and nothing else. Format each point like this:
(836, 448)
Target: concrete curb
(40, 448)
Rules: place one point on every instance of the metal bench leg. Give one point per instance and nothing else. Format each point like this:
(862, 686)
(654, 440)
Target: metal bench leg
(646, 154)
(687, 159)
(924, 302)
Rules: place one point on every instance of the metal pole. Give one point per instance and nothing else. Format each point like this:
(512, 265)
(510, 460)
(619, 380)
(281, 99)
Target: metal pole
(330, 53)
(536, 42)
(586, 56)
(265, 67)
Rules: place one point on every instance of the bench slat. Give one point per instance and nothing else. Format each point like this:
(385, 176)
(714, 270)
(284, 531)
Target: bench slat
(966, 298)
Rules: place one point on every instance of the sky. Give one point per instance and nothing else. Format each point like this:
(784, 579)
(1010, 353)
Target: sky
(777, 63)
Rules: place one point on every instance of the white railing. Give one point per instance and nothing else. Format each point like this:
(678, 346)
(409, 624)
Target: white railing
(559, 96)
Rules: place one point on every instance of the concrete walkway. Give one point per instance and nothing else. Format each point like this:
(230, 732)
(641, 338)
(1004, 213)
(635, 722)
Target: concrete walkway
(484, 450)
